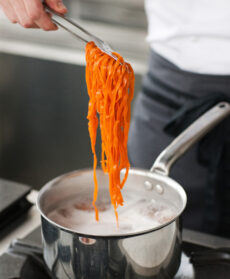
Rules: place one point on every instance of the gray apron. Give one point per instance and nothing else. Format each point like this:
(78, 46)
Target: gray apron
(165, 89)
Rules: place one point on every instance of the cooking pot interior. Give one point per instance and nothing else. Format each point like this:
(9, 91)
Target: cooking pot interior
(151, 201)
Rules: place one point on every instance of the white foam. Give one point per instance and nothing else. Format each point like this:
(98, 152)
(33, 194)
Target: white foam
(138, 214)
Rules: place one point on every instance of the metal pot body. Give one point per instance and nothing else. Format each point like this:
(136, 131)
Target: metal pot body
(151, 255)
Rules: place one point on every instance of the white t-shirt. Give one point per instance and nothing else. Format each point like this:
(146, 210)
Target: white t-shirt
(193, 34)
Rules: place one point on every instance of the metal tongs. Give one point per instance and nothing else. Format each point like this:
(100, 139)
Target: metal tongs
(104, 46)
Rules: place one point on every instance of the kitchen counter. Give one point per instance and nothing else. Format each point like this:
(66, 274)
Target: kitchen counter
(61, 46)
(44, 99)
(31, 222)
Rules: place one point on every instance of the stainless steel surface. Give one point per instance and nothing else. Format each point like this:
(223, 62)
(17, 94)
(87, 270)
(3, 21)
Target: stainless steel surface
(190, 136)
(120, 12)
(152, 255)
(104, 46)
(68, 30)
(81, 183)
(149, 254)
(43, 97)
(43, 125)
(205, 240)
(128, 39)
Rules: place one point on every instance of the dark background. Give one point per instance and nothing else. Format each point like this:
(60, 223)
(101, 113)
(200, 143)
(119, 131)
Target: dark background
(43, 125)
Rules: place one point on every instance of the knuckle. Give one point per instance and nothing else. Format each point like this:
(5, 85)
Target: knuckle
(27, 24)
(13, 21)
(47, 28)
(50, 2)
(35, 15)
(48, 25)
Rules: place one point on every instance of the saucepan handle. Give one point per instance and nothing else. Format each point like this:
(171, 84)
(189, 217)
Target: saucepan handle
(189, 136)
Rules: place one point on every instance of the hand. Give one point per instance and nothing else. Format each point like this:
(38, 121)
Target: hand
(31, 13)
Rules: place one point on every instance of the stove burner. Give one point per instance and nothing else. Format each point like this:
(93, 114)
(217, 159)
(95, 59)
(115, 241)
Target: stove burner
(209, 263)
(23, 260)
(34, 267)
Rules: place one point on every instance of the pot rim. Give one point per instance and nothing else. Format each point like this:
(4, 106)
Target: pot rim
(147, 173)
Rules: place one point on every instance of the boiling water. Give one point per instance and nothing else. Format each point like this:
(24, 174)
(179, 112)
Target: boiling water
(138, 214)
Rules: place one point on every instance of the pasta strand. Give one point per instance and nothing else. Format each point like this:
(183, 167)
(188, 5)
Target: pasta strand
(110, 85)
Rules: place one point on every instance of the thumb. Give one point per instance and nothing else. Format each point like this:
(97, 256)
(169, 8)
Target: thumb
(57, 6)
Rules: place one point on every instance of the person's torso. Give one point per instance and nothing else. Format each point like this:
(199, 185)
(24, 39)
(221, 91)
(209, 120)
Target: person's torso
(194, 35)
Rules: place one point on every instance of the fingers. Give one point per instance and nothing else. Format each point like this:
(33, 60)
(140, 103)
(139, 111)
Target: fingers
(38, 15)
(20, 11)
(31, 13)
(9, 11)
(45, 22)
(57, 5)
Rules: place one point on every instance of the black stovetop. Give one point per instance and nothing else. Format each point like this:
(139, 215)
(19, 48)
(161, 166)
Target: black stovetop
(23, 259)
(13, 205)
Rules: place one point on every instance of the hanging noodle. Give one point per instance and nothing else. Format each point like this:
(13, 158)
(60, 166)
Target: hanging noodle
(110, 86)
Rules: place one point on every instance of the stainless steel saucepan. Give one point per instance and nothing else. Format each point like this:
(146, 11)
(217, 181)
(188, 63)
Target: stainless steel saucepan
(145, 253)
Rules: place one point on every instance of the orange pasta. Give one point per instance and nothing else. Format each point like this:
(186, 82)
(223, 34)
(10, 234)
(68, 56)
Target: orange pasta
(110, 86)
